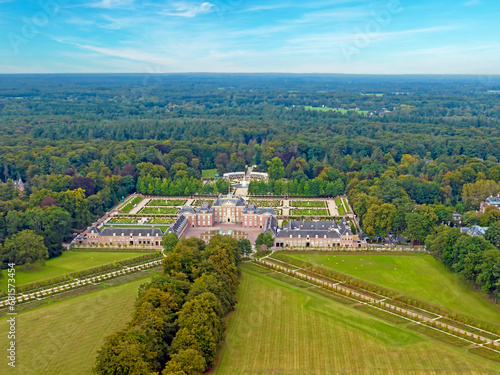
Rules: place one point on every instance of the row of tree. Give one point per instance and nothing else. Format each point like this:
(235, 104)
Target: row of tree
(178, 324)
(475, 259)
(179, 187)
(303, 188)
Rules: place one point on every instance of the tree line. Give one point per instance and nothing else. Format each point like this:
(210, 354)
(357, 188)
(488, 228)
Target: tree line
(178, 320)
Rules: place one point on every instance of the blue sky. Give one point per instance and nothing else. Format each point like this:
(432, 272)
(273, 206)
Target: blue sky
(315, 36)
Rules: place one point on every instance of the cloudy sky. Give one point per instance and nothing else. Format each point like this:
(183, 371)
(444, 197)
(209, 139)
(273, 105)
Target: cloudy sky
(308, 36)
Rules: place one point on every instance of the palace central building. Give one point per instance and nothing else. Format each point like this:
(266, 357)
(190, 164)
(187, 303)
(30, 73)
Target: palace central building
(227, 210)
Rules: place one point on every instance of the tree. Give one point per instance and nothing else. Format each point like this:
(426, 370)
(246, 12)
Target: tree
(276, 169)
(186, 362)
(493, 234)
(474, 193)
(25, 247)
(169, 241)
(245, 246)
(264, 239)
(126, 352)
(420, 223)
(378, 220)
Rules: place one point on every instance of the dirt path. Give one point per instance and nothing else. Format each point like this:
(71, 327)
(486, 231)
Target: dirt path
(332, 207)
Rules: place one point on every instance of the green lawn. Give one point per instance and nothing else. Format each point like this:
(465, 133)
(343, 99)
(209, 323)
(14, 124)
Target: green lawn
(340, 204)
(309, 212)
(419, 276)
(346, 205)
(307, 204)
(69, 261)
(282, 328)
(208, 173)
(127, 207)
(63, 338)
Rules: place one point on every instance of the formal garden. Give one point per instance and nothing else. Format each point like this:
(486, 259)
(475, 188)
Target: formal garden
(309, 212)
(166, 202)
(265, 203)
(308, 204)
(158, 211)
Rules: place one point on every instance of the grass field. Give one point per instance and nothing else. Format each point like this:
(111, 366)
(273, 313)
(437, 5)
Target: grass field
(208, 173)
(63, 338)
(309, 212)
(69, 261)
(419, 276)
(281, 328)
(307, 204)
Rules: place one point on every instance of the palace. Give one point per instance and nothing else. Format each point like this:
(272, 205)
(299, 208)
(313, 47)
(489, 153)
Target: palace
(320, 234)
(118, 237)
(233, 214)
(227, 210)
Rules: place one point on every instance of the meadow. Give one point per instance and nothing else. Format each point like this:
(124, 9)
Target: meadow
(418, 276)
(69, 261)
(63, 338)
(296, 329)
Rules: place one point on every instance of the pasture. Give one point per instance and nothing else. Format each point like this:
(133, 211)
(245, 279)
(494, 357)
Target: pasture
(419, 276)
(63, 338)
(69, 261)
(289, 328)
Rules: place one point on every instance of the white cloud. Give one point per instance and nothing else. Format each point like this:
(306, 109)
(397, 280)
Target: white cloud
(187, 10)
(111, 4)
(126, 53)
(472, 3)
(114, 23)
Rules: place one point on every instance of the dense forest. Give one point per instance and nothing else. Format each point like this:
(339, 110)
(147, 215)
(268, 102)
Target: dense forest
(408, 151)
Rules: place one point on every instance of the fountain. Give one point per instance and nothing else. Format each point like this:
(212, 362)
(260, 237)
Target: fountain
(244, 184)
